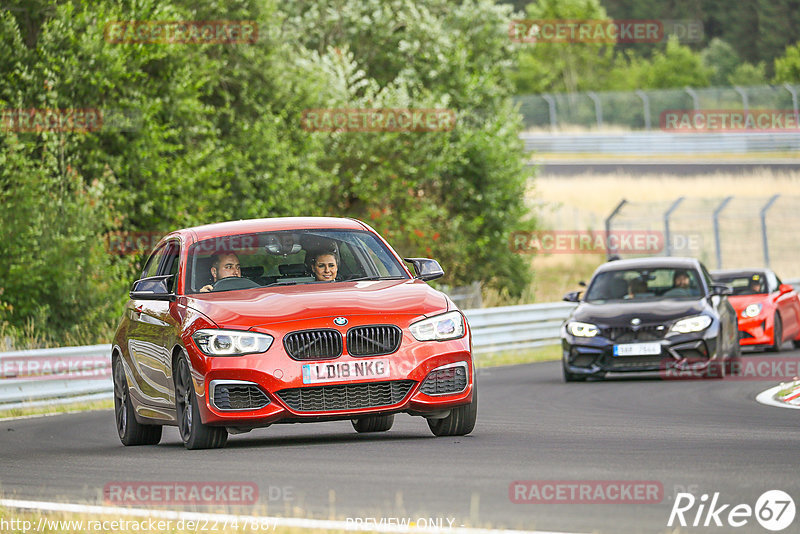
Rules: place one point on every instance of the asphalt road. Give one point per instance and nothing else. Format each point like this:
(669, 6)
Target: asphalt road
(706, 436)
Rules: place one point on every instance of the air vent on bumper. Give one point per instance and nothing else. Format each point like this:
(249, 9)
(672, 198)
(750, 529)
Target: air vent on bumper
(237, 395)
(446, 380)
(346, 396)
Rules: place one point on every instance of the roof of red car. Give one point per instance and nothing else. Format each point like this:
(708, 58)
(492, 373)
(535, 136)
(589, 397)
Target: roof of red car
(273, 224)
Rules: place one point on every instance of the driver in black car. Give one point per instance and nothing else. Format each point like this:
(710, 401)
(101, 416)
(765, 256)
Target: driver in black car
(223, 265)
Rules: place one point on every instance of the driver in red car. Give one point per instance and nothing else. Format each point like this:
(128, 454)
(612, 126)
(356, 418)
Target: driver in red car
(223, 266)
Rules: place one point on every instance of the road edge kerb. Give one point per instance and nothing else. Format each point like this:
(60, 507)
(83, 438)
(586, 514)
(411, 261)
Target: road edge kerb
(768, 397)
(326, 524)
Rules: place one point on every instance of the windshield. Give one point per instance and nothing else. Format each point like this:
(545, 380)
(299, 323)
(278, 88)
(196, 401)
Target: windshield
(745, 283)
(288, 258)
(644, 284)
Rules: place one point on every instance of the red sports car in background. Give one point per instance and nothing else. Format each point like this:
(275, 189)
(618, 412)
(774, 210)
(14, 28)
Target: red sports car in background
(767, 309)
(240, 325)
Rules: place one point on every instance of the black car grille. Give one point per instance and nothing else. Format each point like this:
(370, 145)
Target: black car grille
(346, 396)
(313, 344)
(444, 381)
(239, 397)
(373, 340)
(623, 334)
(637, 362)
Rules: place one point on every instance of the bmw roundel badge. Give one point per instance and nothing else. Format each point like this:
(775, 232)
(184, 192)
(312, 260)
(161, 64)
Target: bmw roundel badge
(340, 321)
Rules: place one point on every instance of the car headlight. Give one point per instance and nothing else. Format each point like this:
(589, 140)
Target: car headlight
(691, 324)
(215, 342)
(751, 310)
(446, 326)
(579, 329)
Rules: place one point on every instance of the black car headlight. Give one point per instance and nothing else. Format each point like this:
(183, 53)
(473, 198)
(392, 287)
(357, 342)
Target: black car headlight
(445, 326)
(578, 329)
(691, 324)
(215, 342)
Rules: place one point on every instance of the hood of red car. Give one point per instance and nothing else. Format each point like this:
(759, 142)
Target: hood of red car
(262, 306)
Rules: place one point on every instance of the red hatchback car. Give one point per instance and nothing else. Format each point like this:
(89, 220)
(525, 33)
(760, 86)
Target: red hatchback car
(240, 325)
(768, 310)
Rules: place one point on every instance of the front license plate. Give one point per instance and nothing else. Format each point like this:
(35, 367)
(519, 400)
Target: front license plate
(637, 349)
(315, 373)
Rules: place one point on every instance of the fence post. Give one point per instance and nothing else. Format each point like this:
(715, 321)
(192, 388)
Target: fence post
(717, 245)
(646, 103)
(609, 251)
(667, 239)
(792, 92)
(763, 215)
(598, 108)
(745, 101)
(551, 104)
(696, 101)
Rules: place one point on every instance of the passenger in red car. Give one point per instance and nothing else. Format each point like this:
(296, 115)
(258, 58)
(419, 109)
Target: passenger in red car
(325, 267)
(223, 266)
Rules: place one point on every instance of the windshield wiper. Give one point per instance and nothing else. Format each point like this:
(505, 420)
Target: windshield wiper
(375, 278)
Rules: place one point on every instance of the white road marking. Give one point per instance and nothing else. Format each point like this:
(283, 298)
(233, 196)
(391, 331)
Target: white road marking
(293, 522)
(767, 397)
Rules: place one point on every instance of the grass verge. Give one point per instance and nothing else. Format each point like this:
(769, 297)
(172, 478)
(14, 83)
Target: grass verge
(539, 354)
(53, 409)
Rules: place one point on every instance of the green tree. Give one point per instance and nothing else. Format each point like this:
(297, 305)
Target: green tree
(787, 67)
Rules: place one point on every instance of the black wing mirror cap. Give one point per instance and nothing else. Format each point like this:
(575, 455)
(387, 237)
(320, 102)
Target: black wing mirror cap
(426, 269)
(152, 288)
(572, 296)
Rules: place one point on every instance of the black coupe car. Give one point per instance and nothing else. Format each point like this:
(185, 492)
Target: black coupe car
(651, 314)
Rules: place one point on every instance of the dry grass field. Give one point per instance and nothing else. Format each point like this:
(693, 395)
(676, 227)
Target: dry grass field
(583, 202)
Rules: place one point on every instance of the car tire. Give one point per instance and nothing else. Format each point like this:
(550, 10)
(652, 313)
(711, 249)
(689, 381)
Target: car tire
(373, 423)
(194, 433)
(796, 343)
(572, 377)
(461, 420)
(777, 334)
(131, 432)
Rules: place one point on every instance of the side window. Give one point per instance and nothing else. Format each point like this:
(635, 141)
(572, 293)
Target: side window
(173, 260)
(151, 267)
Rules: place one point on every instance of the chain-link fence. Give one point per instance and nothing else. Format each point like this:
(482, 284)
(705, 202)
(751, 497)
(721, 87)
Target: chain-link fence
(724, 233)
(642, 110)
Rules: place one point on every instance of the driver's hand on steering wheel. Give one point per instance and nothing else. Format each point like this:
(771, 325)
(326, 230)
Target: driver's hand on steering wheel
(206, 288)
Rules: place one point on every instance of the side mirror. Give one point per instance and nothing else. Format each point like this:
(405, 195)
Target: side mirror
(426, 269)
(572, 296)
(152, 288)
(721, 289)
(785, 288)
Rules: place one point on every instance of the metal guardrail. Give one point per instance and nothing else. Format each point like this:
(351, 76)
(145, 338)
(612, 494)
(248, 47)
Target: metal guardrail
(62, 375)
(657, 143)
(54, 376)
